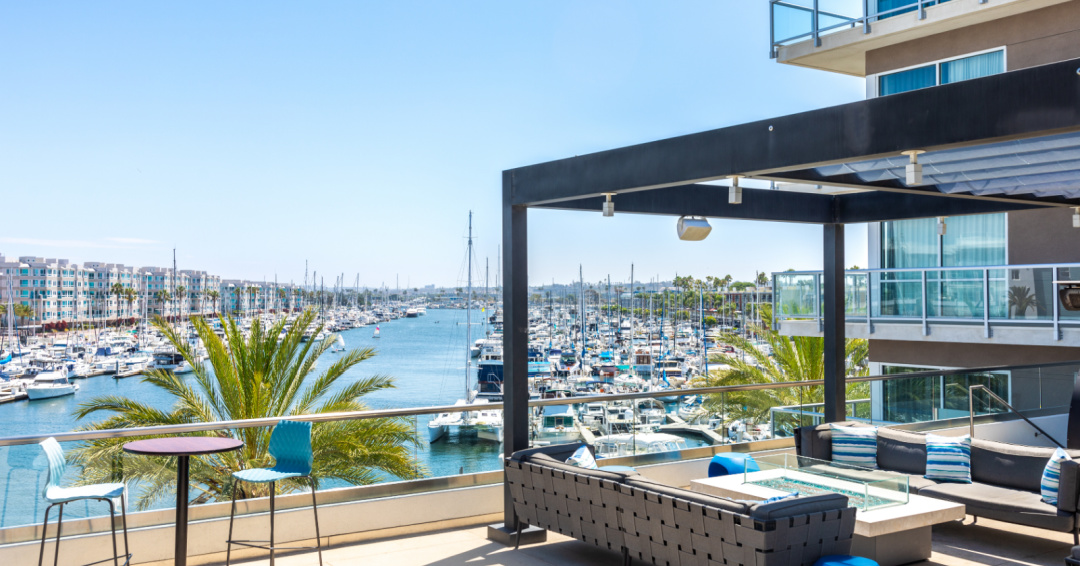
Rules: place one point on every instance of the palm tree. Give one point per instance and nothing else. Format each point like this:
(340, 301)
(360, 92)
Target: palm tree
(213, 295)
(1021, 299)
(118, 290)
(130, 295)
(23, 311)
(254, 377)
(180, 290)
(794, 358)
(163, 296)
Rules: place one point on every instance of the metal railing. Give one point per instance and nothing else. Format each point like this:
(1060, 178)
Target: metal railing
(729, 403)
(792, 21)
(1000, 295)
(994, 396)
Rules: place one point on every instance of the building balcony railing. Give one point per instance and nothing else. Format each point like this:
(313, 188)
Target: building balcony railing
(991, 296)
(795, 21)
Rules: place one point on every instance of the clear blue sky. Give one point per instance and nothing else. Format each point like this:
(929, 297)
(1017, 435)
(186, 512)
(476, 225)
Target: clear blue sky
(358, 135)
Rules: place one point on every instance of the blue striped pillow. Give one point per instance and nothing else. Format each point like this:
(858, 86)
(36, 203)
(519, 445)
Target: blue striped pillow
(855, 446)
(1052, 476)
(948, 458)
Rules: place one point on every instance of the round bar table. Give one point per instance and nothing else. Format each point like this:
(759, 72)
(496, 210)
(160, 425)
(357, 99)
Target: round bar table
(183, 448)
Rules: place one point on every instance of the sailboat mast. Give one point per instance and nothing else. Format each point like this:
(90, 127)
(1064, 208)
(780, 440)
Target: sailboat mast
(468, 315)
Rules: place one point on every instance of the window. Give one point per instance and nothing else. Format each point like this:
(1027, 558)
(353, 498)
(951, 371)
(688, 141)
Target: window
(969, 241)
(943, 72)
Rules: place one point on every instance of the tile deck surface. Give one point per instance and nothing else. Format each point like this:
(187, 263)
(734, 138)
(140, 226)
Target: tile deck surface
(988, 543)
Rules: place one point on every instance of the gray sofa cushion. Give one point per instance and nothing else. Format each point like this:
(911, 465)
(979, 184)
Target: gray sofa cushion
(798, 506)
(559, 452)
(1010, 465)
(545, 460)
(901, 451)
(733, 506)
(1003, 504)
(917, 483)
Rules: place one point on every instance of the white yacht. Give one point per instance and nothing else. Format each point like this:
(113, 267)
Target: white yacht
(616, 445)
(49, 384)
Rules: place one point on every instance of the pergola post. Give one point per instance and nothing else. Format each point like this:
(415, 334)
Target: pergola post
(833, 314)
(515, 351)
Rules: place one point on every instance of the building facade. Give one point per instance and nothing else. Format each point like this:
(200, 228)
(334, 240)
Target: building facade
(947, 292)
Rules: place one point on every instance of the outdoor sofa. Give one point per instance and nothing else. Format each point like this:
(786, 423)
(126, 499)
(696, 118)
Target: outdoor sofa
(1005, 477)
(660, 524)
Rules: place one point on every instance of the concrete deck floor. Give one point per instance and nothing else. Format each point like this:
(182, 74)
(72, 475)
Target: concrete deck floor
(988, 543)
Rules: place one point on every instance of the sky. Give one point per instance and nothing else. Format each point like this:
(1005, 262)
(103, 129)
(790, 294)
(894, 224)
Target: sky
(252, 136)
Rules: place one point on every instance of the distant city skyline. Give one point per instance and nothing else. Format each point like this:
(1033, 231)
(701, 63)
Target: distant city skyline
(252, 136)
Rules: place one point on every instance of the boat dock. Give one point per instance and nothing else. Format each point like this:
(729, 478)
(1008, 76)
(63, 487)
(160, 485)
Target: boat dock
(586, 434)
(7, 396)
(677, 424)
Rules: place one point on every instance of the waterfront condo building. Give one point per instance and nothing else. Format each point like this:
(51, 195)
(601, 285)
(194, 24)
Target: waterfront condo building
(947, 292)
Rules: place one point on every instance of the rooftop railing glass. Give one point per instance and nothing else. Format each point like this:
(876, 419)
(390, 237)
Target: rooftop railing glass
(625, 429)
(1013, 295)
(794, 21)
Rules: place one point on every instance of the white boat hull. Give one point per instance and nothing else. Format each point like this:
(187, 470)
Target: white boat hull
(35, 393)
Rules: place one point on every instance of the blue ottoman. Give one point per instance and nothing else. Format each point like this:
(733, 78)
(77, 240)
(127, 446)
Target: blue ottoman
(731, 463)
(844, 560)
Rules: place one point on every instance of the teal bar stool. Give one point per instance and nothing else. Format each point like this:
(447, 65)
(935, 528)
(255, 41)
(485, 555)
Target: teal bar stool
(60, 496)
(290, 445)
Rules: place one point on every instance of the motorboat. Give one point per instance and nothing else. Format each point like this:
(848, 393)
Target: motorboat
(50, 384)
(632, 444)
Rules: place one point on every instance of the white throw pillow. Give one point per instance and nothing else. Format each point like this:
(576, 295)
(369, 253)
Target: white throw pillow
(854, 446)
(1051, 478)
(582, 458)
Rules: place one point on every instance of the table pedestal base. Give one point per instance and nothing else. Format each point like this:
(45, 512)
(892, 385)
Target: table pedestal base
(894, 549)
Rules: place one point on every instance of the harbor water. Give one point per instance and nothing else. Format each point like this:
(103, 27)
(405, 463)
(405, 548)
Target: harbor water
(426, 356)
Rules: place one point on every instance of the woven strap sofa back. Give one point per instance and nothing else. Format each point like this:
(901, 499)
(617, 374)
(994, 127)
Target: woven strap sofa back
(663, 529)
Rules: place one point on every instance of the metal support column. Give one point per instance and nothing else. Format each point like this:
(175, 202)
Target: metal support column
(515, 334)
(835, 362)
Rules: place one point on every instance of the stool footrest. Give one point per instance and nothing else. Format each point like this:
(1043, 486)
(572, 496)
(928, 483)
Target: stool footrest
(127, 560)
(250, 544)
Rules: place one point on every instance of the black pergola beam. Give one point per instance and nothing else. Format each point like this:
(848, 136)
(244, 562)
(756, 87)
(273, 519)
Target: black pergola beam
(786, 206)
(712, 201)
(1025, 103)
(883, 206)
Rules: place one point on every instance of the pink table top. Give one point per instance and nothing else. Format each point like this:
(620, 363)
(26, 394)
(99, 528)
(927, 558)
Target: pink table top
(182, 446)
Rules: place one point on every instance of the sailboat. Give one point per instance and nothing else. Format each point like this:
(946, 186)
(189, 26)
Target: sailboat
(486, 422)
(339, 346)
(376, 334)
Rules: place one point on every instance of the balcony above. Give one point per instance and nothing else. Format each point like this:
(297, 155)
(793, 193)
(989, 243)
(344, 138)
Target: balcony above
(835, 35)
(1013, 304)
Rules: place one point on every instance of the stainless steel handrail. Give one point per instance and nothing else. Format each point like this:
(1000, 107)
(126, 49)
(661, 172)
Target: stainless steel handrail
(971, 413)
(414, 411)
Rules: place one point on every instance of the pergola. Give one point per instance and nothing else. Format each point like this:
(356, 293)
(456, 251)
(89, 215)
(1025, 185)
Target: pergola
(1000, 143)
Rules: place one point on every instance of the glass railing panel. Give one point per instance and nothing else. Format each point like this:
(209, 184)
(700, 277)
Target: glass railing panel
(796, 295)
(791, 20)
(856, 293)
(955, 293)
(898, 293)
(1066, 274)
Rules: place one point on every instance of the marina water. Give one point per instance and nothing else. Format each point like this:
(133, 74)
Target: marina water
(425, 355)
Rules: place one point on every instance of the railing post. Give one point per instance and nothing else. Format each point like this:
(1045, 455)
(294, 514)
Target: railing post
(775, 307)
(814, 23)
(772, 35)
(869, 322)
(986, 303)
(925, 297)
(866, 16)
(1057, 307)
(922, 10)
(817, 302)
